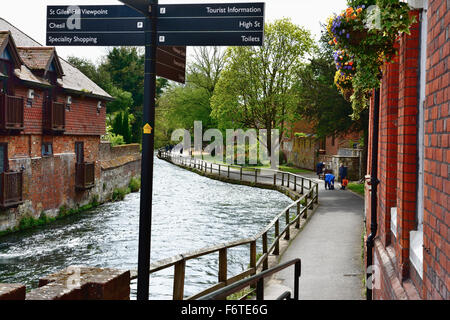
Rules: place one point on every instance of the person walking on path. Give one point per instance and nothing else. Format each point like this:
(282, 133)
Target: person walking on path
(342, 172)
(319, 169)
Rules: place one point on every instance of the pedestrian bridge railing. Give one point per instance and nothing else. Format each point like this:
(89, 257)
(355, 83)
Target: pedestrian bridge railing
(279, 228)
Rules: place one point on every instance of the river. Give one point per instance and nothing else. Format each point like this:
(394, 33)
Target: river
(189, 212)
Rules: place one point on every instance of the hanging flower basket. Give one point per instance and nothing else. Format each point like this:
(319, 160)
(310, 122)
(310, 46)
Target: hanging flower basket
(356, 36)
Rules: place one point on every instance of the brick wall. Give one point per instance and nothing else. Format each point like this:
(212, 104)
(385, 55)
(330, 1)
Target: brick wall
(407, 145)
(81, 119)
(398, 164)
(341, 141)
(388, 148)
(437, 155)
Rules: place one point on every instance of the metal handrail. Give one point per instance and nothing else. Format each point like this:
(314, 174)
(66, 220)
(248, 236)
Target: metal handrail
(259, 280)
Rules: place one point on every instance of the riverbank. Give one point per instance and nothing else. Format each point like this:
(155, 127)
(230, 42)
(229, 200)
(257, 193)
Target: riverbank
(29, 222)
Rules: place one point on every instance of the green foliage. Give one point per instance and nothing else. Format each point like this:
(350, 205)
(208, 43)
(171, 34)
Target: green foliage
(256, 88)
(319, 98)
(135, 184)
(123, 101)
(179, 106)
(121, 127)
(357, 187)
(121, 74)
(120, 193)
(368, 33)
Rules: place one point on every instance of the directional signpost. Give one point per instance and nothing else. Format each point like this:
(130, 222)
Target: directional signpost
(164, 30)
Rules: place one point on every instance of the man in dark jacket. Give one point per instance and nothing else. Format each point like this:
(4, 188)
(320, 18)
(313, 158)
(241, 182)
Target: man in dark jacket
(342, 172)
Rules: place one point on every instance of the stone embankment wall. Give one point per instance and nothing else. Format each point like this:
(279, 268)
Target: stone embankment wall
(49, 184)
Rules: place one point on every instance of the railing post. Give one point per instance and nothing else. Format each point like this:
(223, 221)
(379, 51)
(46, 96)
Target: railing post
(306, 207)
(295, 183)
(282, 179)
(260, 289)
(253, 259)
(240, 178)
(178, 280)
(276, 251)
(317, 193)
(288, 231)
(288, 179)
(253, 255)
(303, 185)
(297, 225)
(223, 270)
(275, 179)
(265, 250)
(256, 175)
(219, 170)
(211, 167)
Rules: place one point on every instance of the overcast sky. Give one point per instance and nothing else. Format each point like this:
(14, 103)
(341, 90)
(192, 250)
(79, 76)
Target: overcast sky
(30, 17)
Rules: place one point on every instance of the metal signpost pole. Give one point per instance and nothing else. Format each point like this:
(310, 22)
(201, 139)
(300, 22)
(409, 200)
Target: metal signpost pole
(148, 142)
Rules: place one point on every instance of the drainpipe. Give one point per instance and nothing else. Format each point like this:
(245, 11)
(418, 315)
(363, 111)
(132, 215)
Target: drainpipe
(374, 187)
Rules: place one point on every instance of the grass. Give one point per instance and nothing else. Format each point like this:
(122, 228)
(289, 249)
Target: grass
(291, 169)
(356, 187)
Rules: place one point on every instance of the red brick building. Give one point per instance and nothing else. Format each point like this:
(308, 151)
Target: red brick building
(411, 251)
(51, 119)
(304, 149)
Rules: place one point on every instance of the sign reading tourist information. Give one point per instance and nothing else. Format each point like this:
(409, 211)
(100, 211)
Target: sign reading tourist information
(177, 25)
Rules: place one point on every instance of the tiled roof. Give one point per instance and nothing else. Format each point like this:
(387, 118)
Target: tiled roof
(73, 78)
(3, 36)
(36, 58)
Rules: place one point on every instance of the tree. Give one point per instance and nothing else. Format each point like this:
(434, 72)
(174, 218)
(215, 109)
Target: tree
(205, 70)
(256, 88)
(321, 102)
(180, 105)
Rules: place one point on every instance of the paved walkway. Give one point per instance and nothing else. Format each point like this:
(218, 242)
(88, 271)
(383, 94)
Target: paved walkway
(329, 247)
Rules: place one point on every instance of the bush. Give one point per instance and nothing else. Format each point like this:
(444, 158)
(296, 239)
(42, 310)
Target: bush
(135, 185)
(120, 193)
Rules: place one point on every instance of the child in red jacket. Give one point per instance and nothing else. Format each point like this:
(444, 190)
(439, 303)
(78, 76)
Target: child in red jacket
(344, 184)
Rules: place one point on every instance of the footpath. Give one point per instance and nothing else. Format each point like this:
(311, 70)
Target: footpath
(330, 249)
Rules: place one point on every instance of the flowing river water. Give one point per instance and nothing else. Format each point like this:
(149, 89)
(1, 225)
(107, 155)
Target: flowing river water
(189, 212)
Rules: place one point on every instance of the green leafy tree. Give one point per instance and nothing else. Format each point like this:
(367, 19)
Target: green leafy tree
(256, 88)
(321, 102)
